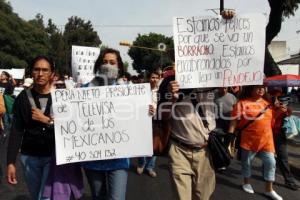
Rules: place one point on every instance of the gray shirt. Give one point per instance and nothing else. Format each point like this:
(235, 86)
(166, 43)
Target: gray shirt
(225, 104)
(186, 124)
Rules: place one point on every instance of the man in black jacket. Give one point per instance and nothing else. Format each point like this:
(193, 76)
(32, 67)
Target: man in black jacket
(32, 130)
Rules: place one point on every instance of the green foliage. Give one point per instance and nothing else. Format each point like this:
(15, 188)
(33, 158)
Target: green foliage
(22, 40)
(289, 7)
(126, 65)
(5, 7)
(149, 60)
(81, 33)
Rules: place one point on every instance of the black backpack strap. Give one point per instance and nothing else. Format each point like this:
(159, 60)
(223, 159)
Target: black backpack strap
(257, 116)
(200, 112)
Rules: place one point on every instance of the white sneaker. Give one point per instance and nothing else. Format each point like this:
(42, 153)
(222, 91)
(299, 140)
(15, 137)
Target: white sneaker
(248, 188)
(273, 195)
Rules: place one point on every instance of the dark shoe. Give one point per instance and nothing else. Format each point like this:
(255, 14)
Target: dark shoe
(292, 186)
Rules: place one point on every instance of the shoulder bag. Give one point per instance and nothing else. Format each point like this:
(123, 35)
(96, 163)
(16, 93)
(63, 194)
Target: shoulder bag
(220, 155)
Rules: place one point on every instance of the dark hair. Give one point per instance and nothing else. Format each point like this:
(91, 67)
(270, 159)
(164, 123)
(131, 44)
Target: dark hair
(103, 52)
(247, 91)
(152, 72)
(6, 74)
(42, 57)
(134, 78)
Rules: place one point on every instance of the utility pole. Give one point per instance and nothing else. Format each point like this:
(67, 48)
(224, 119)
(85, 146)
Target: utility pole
(221, 6)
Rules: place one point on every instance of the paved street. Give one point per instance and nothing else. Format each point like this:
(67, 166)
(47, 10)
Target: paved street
(147, 188)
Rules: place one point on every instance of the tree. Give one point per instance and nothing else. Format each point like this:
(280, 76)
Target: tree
(58, 47)
(38, 21)
(79, 32)
(20, 40)
(279, 9)
(149, 60)
(125, 65)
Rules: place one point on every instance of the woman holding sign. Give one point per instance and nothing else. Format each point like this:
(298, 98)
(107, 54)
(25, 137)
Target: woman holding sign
(107, 178)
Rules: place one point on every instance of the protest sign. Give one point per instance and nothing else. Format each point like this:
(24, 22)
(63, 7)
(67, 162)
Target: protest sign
(17, 73)
(99, 123)
(18, 90)
(214, 52)
(69, 84)
(83, 60)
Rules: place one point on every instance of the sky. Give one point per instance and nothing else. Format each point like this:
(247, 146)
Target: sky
(108, 16)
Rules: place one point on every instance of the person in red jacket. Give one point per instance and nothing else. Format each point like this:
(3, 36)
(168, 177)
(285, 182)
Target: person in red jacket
(280, 103)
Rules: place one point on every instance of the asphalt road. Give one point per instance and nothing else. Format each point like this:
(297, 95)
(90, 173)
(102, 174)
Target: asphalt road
(159, 188)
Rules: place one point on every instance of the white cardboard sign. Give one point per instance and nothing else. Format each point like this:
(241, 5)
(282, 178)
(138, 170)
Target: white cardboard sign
(214, 52)
(99, 123)
(83, 60)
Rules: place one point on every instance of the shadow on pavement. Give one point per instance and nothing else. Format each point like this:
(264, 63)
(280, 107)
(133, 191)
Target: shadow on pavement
(22, 197)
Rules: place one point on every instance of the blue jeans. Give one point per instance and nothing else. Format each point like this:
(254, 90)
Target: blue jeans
(269, 163)
(7, 119)
(107, 185)
(147, 162)
(36, 171)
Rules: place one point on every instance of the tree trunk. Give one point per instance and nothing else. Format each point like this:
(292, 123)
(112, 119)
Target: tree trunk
(273, 28)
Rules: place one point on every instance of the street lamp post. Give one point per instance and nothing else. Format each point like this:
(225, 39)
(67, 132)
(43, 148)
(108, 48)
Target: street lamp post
(221, 6)
(128, 44)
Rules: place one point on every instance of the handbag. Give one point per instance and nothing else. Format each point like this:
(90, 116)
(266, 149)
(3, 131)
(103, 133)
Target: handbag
(161, 135)
(220, 154)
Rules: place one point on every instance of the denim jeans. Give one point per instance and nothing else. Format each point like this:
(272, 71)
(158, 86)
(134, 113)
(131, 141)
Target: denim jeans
(36, 171)
(282, 157)
(7, 119)
(107, 185)
(147, 162)
(269, 163)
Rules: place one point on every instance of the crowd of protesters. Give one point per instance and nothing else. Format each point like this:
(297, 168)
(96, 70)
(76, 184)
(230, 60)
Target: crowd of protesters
(264, 137)
(30, 126)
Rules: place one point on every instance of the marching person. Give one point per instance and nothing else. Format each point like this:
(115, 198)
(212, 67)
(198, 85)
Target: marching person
(189, 157)
(107, 178)
(256, 137)
(32, 130)
(148, 163)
